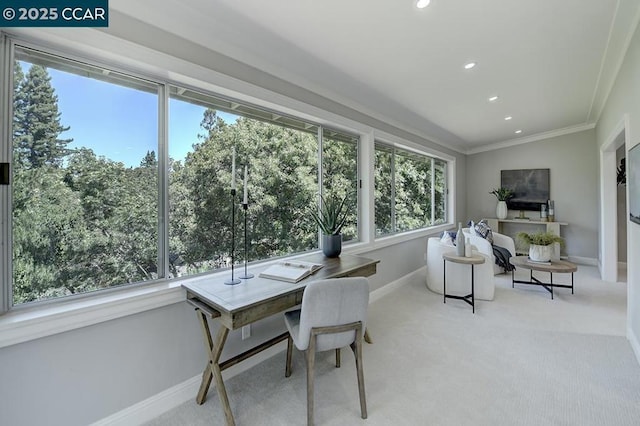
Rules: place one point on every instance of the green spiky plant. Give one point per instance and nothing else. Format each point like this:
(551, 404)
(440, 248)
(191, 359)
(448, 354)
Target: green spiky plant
(332, 214)
(502, 194)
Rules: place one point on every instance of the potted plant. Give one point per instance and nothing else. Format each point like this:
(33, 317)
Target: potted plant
(331, 217)
(540, 244)
(503, 195)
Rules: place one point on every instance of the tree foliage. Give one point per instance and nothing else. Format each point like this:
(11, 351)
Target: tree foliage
(83, 222)
(36, 124)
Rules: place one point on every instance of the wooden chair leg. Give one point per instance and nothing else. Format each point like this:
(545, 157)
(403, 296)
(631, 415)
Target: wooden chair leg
(311, 355)
(287, 371)
(338, 358)
(357, 351)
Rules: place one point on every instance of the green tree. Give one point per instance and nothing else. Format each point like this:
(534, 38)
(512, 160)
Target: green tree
(37, 126)
(283, 171)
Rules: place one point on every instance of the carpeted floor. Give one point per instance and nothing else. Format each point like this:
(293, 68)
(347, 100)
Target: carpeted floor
(522, 359)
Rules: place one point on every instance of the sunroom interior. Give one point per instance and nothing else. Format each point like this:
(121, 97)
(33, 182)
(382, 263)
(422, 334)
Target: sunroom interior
(109, 345)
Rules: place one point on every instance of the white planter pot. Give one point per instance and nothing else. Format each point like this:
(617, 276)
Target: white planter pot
(540, 253)
(501, 210)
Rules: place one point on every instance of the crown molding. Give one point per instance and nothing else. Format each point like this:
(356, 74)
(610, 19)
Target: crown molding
(532, 138)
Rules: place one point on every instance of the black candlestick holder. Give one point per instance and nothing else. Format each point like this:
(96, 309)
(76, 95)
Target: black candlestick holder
(245, 275)
(233, 280)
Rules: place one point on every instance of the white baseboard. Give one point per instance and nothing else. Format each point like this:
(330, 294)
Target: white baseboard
(169, 399)
(635, 343)
(591, 261)
(152, 407)
(394, 285)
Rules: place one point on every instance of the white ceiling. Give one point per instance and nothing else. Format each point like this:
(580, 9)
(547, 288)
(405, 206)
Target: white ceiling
(551, 62)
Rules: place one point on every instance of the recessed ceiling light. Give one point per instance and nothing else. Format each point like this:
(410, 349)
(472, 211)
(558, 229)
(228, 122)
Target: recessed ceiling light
(421, 4)
(518, 132)
(493, 99)
(508, 117)
(469, 65)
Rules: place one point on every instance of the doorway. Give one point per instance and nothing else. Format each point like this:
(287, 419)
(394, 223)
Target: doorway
(613, 208)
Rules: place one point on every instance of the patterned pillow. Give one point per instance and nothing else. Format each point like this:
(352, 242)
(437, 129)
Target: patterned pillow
(448, 238)
(482, 229)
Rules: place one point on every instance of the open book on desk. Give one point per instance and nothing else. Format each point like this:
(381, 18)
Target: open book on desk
(290, 271)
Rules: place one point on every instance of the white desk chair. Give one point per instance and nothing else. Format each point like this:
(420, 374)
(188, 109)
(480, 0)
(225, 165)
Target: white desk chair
(333, 315)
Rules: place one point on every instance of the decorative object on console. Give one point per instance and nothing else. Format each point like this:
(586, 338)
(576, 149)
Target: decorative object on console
(634, 184)
(540, 244)
(552, 211)
(543, 212)
(502, 194)
(530, 188)
(331, 217)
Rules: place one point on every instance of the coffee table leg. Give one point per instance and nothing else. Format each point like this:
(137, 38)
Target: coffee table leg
(572, 283)
(551, 282)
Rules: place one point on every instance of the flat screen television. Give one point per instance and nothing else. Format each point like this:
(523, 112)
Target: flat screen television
(530, 187)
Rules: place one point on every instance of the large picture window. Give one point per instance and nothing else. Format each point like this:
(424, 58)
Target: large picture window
(410, 190)
(85, 178)
(118, 179)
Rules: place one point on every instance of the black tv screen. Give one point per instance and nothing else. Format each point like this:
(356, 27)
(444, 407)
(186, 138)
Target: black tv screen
(530, 188)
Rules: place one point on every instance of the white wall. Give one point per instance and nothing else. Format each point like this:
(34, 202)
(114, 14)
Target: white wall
(81, 376)
(625, 99)
(573, 163)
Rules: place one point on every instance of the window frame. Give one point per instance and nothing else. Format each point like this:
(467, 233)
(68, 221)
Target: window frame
(165, 89)
(393, 149)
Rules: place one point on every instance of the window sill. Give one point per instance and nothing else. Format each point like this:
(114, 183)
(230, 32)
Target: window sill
(23, 325)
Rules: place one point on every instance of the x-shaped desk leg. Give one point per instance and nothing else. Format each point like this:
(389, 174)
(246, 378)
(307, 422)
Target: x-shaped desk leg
(214, 349)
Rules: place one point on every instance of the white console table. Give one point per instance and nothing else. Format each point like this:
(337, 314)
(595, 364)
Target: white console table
(553, 227)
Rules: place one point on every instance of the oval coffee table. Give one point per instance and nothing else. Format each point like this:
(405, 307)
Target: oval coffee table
(555, 266)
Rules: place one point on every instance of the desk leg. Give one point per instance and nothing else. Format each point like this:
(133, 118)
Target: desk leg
(214, 350)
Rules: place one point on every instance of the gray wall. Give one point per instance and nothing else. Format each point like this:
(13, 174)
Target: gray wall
(573, 165)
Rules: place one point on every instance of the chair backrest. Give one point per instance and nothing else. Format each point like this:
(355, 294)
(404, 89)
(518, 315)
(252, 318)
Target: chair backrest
(330, 302)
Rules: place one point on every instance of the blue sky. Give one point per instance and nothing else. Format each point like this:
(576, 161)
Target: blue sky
(121, 123)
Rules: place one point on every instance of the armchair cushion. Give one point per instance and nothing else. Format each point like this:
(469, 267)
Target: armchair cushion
(486, 247)
(482, 229)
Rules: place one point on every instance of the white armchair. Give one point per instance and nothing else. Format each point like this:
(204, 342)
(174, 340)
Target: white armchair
(484, 246)
(458, 275)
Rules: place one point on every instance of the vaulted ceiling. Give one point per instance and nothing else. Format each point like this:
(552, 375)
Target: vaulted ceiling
(551, 63)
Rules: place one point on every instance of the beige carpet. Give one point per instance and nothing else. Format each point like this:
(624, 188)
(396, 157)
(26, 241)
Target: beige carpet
(522, 359)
